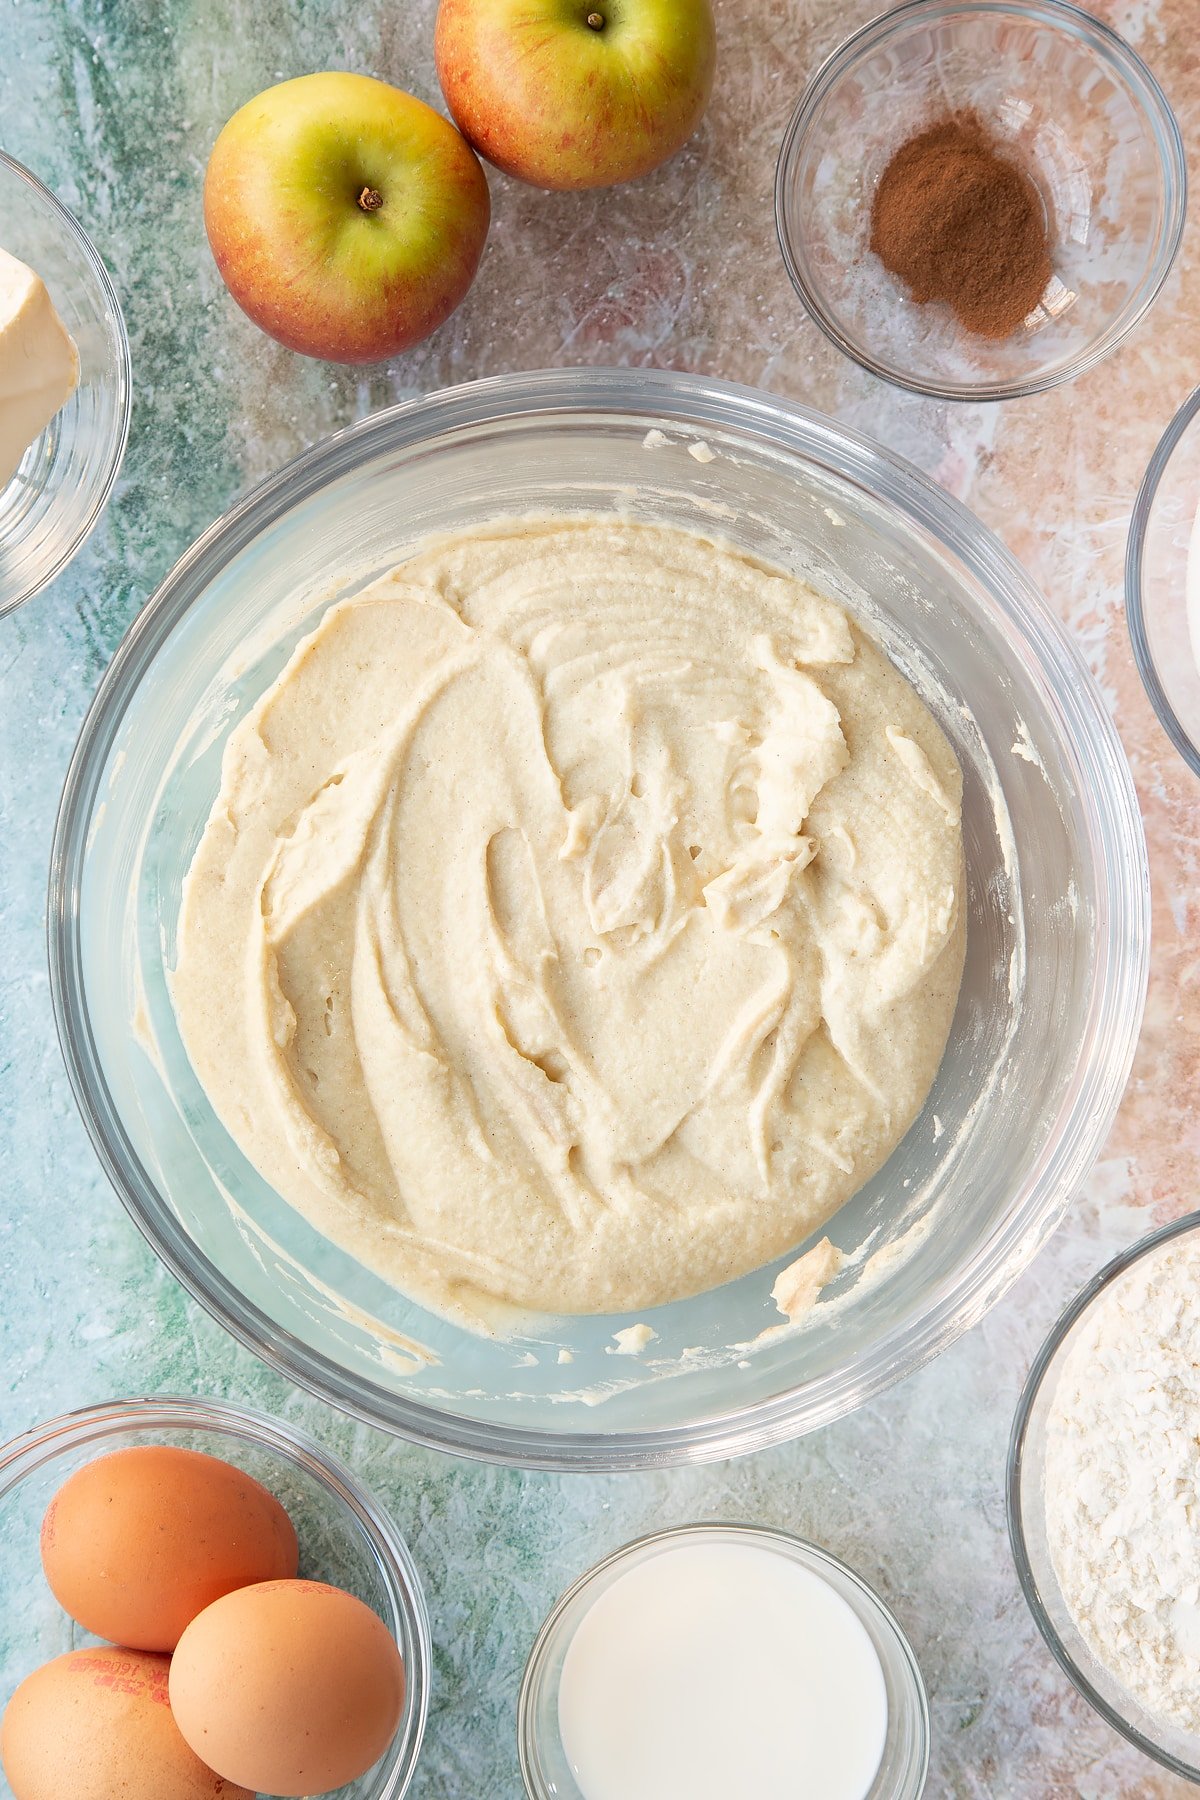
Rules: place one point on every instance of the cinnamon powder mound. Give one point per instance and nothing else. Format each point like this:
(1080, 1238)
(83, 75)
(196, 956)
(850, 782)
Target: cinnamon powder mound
(956, 221)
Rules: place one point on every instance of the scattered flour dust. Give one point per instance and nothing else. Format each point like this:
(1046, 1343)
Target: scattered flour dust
(1123, 1481)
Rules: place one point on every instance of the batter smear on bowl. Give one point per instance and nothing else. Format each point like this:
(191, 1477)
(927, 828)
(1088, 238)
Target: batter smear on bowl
(580, 920)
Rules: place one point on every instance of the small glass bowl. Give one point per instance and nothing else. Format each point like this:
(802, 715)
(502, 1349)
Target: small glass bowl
(545, 1767)
(1079, 111)
(1175, 1749)
(345, 1538)
(1162, 581)
(59, 490)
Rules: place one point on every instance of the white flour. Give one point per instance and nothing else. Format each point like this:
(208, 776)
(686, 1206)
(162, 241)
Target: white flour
(1123, 1481)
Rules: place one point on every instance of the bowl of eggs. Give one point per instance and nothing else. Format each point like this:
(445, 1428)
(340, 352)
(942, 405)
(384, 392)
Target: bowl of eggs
(201, 1603)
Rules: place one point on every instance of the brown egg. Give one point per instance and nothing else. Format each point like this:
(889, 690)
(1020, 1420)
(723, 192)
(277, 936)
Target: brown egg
(135, 1544)
(291, 1688)
(97, 1725)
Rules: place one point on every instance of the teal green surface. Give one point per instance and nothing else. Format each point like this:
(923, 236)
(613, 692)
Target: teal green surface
(116, 106)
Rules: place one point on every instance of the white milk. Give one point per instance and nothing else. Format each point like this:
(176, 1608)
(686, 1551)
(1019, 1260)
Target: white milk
(718, 1671)
(1193, 587)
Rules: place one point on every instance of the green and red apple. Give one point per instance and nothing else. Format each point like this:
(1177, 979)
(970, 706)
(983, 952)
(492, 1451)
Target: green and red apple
(576, 93)
(346, 217)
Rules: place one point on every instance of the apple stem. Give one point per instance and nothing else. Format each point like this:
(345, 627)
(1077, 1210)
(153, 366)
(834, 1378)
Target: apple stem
(370, 200)
(596, 21)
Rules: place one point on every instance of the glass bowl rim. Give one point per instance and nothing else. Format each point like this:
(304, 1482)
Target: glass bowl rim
(1135, 558)
(1172, 159)
(912, 1682)
(124, 394)
(1121, 865)
(1017, 1465)
(37, 1447)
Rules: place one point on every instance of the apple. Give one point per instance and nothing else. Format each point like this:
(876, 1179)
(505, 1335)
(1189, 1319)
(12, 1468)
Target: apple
(346, 217)
(576, 93)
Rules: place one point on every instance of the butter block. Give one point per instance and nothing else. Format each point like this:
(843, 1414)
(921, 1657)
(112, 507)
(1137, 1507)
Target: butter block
(39, 364)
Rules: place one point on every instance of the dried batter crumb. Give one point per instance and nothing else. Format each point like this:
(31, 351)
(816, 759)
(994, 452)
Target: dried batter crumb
(797, 1287)
(633, 1340)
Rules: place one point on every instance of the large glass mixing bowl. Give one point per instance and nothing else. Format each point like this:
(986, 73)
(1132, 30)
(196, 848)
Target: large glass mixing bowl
(1056, 966)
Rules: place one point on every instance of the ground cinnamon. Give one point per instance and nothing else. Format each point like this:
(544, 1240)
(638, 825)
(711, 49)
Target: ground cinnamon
(956, 221)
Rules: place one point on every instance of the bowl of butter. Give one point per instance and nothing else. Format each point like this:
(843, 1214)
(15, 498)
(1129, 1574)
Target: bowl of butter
(65, 389)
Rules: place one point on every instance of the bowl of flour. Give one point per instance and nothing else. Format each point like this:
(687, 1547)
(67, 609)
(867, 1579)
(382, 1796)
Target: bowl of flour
(1104, 1494)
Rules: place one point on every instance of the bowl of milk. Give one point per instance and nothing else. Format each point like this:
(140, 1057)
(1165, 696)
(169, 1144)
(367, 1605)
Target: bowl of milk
(720, 1659)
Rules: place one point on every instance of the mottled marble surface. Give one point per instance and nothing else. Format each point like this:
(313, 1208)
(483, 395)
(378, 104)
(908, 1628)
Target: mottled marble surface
(116, 105)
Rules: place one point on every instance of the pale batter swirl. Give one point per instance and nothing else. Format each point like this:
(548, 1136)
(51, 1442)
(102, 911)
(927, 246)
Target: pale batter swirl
(580, 919)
